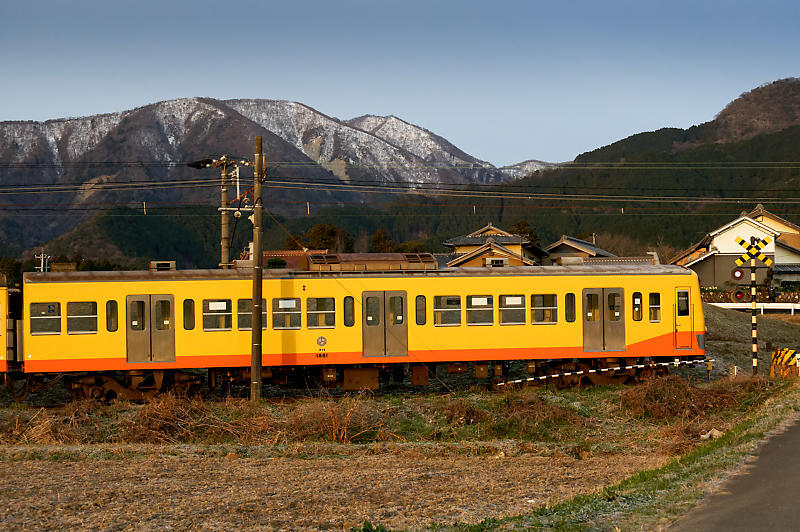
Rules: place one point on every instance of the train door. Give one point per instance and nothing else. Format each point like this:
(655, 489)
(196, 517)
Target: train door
(603, 319)
(384, 326)
(683, 318)
(150, 330)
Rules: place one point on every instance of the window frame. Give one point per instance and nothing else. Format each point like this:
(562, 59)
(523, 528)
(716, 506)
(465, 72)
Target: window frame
(158, 315)
(32, 317)
(240, 313)
(189, 325)
(420, 310)
(349, 310)
(81, 317)
(228, 313)
(278, 312)
(112, 316)
(472, 309)
(637, 309)
(440, 310)
(678, 304)
(544, 308)
(325, 313)
(570, 309)
(656, 307)
(592, 302)
(503, 305)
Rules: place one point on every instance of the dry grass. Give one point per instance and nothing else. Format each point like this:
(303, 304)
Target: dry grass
(673, 397)
(664, 414)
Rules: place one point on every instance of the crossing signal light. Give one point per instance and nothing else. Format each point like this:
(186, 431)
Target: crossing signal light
(737, 274)
(738, 296)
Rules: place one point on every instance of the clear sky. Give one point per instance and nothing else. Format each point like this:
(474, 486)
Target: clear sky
(503, 80)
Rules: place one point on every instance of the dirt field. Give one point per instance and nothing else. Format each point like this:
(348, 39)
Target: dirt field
(407, 488)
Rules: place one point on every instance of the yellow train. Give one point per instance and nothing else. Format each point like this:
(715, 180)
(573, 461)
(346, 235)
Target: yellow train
(130, 334)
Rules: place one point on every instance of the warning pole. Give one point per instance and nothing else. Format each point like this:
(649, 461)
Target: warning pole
(754, 318)
(258, 259)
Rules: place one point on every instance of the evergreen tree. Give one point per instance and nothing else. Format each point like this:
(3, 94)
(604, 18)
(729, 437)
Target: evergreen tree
(381, 242)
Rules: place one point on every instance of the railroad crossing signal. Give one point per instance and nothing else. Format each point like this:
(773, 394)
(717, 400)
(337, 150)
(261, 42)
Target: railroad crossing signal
(751, 254)
(753, 251)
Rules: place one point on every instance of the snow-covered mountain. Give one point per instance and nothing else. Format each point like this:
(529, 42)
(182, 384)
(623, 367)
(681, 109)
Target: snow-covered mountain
(525, 168)
(300, 144)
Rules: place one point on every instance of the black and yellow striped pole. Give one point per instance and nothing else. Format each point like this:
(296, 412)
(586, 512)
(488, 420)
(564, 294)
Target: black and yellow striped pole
(753, 316)
(753, 252)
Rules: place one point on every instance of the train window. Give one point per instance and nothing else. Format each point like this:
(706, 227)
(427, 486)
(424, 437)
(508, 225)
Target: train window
(286, 313)
(446, 310)
(569, 307)
(373, 311)
(637, 306)
(136, 315)
(81, 317)
(614, 306)
(112, 323)
(244, 314)
(349, 311)
(544, 308)
(163, 315)
(480, 310)
(592, 307)
(655, 306)
(396, 311)
(188, 314)
(683, 302)
(45, 318)
(512, 310)
(217, 315)
(320, 312)
(421, 308)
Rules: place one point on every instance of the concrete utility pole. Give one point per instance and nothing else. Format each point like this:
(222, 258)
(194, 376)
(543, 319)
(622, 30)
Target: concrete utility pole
(224, 234)
(258, 259)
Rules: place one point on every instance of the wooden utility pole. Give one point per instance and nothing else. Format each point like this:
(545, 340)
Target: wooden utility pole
(258, 259)
(224, 234)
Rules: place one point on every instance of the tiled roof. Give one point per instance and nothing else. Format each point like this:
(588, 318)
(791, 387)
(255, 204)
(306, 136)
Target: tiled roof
(480, 240)
(583, 245)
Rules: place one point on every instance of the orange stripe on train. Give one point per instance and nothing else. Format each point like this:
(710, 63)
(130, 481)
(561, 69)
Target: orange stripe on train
(659, 346)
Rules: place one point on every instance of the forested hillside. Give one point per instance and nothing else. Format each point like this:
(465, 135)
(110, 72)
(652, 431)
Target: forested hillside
(663, 189)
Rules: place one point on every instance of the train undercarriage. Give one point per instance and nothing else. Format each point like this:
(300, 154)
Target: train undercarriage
(142, 385)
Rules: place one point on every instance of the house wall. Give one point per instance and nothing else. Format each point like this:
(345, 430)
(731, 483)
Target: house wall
(725, 241)
(716, 271)
(785, 256)
(775, 224)
(478, 261)
(463, 250)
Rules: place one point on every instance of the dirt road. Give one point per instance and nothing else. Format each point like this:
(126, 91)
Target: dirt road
(407, 489)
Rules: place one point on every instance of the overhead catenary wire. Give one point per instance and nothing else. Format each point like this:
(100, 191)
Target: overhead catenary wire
(388, 188)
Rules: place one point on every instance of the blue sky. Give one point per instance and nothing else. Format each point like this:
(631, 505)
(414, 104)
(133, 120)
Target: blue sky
(504, 81)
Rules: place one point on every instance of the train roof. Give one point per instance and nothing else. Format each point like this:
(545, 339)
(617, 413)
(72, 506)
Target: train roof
(247, 273)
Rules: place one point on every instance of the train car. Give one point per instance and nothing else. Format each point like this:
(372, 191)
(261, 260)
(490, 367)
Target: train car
(128, 334)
